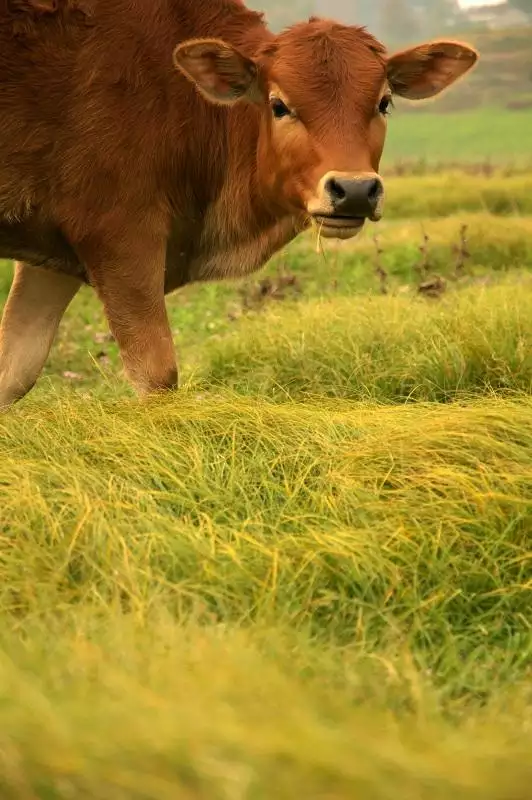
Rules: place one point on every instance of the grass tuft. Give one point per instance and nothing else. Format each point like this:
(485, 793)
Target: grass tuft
(388, 349)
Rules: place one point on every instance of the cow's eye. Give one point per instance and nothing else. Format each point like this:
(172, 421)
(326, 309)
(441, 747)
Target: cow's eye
(385, 106)
(279, 109)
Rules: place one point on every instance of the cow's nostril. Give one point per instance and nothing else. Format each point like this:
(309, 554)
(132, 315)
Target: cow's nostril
(335, 190)
(375, 191)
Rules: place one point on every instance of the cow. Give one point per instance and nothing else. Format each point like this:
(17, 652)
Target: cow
(148, 144)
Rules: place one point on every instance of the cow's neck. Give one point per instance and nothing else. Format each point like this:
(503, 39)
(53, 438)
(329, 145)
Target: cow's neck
(242, 227)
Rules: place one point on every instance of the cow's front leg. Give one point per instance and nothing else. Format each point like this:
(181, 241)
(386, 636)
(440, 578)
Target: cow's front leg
(128, 276)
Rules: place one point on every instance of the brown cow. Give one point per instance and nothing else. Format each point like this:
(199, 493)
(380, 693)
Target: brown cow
(146, 144)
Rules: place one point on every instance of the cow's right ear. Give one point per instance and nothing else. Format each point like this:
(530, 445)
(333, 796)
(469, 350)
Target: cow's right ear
(426, 70)
(219, 71)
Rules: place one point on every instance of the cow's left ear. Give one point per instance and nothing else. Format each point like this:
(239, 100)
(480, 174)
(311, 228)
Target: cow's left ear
(426, 70)
(220, 72)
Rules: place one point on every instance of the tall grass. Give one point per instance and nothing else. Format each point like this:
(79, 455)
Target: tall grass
(319, 515)
(122, 711)
(453, 192)
(311, 514)
(383, 348)
(199, 595)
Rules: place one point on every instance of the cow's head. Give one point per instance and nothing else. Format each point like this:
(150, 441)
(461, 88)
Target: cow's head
(325, 91)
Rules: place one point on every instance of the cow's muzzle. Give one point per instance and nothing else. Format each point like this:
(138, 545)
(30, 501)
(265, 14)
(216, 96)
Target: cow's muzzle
(345, 202)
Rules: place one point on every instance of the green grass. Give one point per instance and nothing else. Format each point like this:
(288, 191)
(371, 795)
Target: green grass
(451, 193)
(308, 573)
(203, 317)
(384, 349)
(326, 599)
(476, 135)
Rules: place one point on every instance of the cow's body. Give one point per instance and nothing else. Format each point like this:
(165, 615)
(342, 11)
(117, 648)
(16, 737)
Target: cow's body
(115, 170)
(122, 129)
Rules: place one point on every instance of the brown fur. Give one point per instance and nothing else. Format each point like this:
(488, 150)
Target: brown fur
(116, 170)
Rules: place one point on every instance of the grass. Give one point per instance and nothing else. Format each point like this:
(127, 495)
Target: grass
(204, 317)
(477, 135)
(391, 349)
(451, 193)
(241, 592)
(308, 573)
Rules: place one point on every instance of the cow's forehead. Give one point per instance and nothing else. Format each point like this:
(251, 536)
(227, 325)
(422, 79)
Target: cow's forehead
(324, 59)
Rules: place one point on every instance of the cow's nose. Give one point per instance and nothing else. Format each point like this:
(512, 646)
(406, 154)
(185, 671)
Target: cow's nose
(355, 197)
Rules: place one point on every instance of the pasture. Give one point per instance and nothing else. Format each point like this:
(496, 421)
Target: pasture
(479, 134)
(308, 573)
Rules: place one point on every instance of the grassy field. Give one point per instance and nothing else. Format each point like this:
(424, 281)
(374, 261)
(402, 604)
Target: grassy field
(475, 135)
(308, 573)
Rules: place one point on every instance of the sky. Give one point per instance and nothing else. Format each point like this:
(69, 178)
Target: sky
(469, 3)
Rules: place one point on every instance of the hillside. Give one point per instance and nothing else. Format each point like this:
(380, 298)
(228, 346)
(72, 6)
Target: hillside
(502, 79)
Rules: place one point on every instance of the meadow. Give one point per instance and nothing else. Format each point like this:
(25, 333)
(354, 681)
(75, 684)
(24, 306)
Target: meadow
(308, 572)
(474, 134)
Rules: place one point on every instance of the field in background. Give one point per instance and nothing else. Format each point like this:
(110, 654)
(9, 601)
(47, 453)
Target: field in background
(308, 574)
(476, 136)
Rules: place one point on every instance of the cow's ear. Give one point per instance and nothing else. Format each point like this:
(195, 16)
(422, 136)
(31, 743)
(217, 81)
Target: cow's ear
(426, 70)
(220, 72)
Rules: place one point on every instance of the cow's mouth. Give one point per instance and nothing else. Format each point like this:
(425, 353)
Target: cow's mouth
(336, 227)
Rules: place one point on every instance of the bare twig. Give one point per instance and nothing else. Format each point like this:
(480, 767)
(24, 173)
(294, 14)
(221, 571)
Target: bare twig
(424, 264)
(379, 268)
(433, 287)
(255, 295)
(461, 252)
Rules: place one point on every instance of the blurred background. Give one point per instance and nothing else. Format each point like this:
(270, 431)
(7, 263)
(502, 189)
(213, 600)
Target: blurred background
(402, 20)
